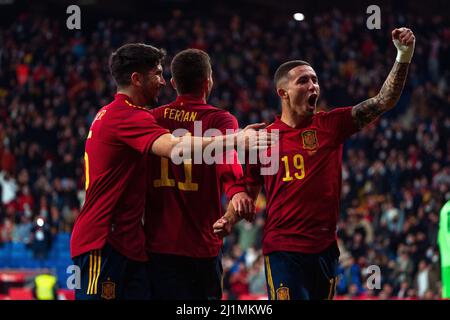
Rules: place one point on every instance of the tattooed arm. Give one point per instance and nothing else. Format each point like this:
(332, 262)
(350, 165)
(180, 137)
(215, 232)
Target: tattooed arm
(367, 111)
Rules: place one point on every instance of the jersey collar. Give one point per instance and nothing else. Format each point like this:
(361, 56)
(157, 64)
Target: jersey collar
(189, 99)
(284, 126)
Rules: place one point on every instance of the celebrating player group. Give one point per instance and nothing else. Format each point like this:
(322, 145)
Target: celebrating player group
(153, 229)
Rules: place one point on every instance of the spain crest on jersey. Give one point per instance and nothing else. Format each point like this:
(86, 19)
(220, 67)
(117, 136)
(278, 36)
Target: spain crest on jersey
(283, 293)
(108, 290)
(309, 138)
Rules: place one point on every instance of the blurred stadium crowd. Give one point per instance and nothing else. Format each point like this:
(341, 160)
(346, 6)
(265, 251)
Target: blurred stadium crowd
(396, 174)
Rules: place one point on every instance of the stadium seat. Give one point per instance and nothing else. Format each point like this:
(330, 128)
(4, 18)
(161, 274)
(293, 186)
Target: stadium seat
(63, 237)
(61, 244)
(3, 252)
(22, 253)
(31, 264)
(62, 277)
(7, 245)
(4, 262)
(18, 246)
(53, 254)
(64, 255)
(48, 263)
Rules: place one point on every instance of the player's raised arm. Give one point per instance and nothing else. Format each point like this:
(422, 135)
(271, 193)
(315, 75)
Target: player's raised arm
(168, 145)
(367, 111)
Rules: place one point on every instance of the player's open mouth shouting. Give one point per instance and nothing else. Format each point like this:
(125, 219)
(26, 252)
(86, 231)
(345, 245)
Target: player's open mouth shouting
(312, 100)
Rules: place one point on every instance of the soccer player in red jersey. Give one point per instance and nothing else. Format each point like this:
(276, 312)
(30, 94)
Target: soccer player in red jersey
(185, 199)
(299, 241)
(108, 241)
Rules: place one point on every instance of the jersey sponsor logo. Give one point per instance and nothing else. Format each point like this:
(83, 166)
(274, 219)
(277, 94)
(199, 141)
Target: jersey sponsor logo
(108, 290)
(309, 138)
(283, 293)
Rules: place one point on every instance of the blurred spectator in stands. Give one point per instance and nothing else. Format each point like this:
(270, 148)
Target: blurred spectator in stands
(353, 292)
(22, 231)
(239, 283)
(55, 220)
(412, 294)
(426, 279)
(256, 276)
(392, 217)
(358, 247)
(403, 290)
(249, 234)
(25, 202)
(404, 266)
(6, 230)
(7, 160)
(227, 263)
(8, 186)
(349, 274)
(40, 238)
(386, 292)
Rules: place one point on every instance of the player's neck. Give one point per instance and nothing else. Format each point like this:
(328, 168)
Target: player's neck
(293, 119)
(137, 99)
(192, 96)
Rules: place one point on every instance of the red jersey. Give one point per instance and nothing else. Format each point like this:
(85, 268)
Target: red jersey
(116, 180)
(185, 199)
(303, 196)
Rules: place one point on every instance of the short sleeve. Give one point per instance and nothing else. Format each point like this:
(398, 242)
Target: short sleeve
(229, 173)
(339, 121)
(139, 130)
(252, 175)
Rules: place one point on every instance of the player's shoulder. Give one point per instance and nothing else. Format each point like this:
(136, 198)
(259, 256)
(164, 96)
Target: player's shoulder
(218, 112)
(161, 108)
(127, 111)
(126, 106)
(159, 111)
(273, 125)
(218, 116)
(333, 111)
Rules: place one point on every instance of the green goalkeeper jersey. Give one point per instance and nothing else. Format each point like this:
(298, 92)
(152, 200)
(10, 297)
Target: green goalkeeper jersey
(444, 235)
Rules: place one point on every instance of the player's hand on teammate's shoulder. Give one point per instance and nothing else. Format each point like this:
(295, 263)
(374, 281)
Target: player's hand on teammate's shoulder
(254, 137)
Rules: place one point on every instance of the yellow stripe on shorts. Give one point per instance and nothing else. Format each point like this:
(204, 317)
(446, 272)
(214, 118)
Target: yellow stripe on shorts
(99, 264)
(269, 279)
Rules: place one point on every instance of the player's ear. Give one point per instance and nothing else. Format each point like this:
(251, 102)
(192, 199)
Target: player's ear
(282, 93)
(210, 81)
(173, 83)
(207, 84)
(136, 79)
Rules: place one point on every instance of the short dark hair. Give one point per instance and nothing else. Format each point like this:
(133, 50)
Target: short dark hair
(283, 70)
(189, 69)
(133, 57)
